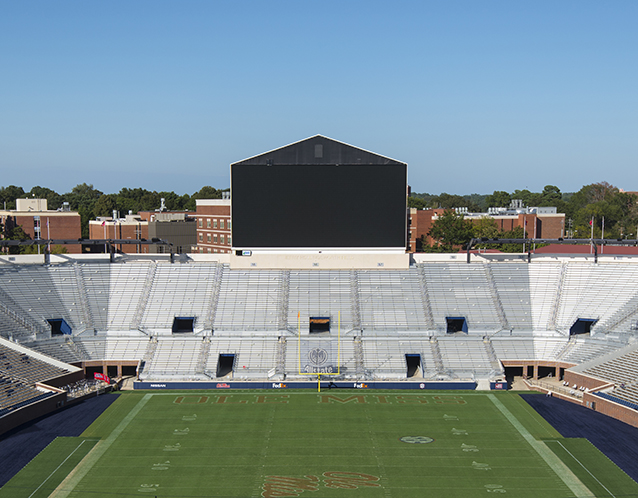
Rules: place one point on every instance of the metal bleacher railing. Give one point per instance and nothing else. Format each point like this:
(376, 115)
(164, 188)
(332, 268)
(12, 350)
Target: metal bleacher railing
(526, 310)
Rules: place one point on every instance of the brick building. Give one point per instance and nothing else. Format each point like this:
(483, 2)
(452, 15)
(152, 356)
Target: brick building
(40, 223)
(131, 227)
(176, 227)
(213, 226)
(538, 222)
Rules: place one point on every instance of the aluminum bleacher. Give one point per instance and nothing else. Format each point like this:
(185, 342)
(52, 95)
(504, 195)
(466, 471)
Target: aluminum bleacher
(179, 290)
(248, 301)
(175, 357)
(325, 293)
(464, 358)
(526, 311)
(620, 367)
(595, 292)
(391, 300)
(43, 293)
(456, 290)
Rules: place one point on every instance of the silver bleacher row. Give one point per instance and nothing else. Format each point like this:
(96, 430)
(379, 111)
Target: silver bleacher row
(525, 309)
(147, 295)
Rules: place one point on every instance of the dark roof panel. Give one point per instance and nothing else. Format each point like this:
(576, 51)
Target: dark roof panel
(318, 150)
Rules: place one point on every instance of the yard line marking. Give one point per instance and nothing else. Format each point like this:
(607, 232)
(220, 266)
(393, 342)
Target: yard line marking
(554, 463)
(581, 464)
(63, 462)
(76, 475)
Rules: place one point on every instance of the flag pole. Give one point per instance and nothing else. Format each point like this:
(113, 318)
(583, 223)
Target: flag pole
(591, 241)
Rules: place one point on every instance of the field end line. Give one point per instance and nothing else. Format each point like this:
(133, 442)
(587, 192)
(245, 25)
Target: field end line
(63, 462)
(75, 476)
(554, 463)
(581, 464)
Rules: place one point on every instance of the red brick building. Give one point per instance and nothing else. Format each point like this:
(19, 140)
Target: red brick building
(40, 223)
(131, 227)
(537, 222)
(213, 226)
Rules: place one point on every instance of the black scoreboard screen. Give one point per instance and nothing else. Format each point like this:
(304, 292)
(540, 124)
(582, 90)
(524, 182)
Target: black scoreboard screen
(318, 206)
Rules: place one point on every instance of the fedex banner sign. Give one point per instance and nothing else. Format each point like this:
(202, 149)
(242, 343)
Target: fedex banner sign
(99, 376)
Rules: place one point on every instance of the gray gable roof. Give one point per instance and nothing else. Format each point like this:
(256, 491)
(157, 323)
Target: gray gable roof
(318, 150)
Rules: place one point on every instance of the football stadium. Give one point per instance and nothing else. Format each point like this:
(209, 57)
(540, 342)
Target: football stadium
(317, 357)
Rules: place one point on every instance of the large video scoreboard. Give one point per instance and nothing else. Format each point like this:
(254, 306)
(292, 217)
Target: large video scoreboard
(291, 200)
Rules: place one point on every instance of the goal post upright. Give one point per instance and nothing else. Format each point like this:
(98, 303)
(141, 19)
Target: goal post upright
(334, 370)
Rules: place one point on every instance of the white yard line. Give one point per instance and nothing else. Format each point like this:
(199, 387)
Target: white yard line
(581, 464)
(58, 467)
(72, 480)
(554, 463)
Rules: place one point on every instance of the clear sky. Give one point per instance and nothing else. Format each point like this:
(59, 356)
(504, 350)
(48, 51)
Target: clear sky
(474, 95)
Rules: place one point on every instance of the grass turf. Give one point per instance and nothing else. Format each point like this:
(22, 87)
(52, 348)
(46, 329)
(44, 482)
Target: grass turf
(331, 444)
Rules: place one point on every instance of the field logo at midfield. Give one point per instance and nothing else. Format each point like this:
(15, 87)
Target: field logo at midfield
(280, 486)
(416, 439)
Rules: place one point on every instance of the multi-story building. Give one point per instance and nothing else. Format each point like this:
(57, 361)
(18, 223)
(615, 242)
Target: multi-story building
(177, 228)
(213, 226)
(131, 227)
(38, 222)
(537, 222)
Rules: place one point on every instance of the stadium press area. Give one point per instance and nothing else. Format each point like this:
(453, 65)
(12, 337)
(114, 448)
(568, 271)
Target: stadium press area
(437, 325)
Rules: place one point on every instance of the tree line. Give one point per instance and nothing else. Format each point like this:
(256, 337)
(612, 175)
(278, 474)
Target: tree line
(598, 206)
(596, 201)
(90, 202)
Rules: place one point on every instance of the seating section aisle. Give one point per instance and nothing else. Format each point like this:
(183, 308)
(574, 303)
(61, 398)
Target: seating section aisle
(466, 358)
(581, 350)
(320, 294)
(456, 290)
(527, 293)
(44, 293)
(514, 348)
(549, 348)
(595, 291)
(114, 292)
(174, 357)
(248, 300)
(391, 300)
(254, 357)
(179, 290)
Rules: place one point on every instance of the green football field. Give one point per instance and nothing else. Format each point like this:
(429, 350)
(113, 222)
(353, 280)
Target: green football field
(340, 443)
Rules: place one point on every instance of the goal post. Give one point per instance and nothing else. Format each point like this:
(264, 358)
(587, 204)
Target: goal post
(319, 355)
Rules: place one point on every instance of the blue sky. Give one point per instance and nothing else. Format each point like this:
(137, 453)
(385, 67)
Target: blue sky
(474, 95)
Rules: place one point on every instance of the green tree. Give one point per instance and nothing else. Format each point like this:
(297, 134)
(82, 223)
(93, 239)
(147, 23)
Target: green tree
(451, 230)
(499, 198)
(415, 202)
(82, 199)
(206, 192)
(451, 201)
(54, 200)
(105, 205)
(13, 231)
(485, 227)
(9, 195)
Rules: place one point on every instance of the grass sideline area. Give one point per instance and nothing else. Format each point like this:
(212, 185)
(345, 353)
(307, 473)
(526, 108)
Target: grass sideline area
(339, 443)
